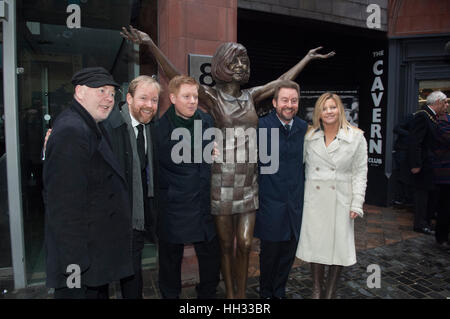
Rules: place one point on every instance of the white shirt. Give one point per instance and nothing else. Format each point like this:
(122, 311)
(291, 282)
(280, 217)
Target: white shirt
(284, 124)
(135, 123)
(432, 110)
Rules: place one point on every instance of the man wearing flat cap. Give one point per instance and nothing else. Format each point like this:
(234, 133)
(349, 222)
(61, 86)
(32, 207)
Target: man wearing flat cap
(87, 224)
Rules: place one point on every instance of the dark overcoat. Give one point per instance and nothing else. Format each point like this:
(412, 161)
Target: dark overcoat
(183, 190)
(422, 141)
(281, 193)
(87, 208)
(119, 136)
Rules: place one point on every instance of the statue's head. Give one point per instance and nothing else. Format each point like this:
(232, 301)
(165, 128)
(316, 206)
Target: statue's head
(231, 63)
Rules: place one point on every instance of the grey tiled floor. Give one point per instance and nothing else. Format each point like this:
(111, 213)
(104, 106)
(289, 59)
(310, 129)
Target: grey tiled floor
(411, 269)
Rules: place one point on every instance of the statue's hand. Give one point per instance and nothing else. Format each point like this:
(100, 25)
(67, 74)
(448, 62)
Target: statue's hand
(136, 36)
(314, 55)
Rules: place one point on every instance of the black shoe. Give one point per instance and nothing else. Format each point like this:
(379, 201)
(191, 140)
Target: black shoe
(425, 230)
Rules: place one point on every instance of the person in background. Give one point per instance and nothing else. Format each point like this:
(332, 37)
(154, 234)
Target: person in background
(441, 174)
(401, 171)
(87, 210)
(279, 217)
(335, 184)
(423, 137)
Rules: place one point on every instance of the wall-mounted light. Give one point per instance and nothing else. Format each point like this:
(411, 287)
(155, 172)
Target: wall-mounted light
(447, 47)
(3, 10)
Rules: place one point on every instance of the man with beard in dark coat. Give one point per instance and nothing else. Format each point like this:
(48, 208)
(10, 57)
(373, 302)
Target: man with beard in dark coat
(131, 131)
(281, 191)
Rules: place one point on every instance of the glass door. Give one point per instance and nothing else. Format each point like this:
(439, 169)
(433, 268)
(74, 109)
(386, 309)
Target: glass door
(5, 236)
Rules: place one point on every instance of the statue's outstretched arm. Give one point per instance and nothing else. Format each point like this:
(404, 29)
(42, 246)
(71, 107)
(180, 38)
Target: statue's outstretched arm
(296, 69)
(267, 90)
(140, 37)
(168, 68)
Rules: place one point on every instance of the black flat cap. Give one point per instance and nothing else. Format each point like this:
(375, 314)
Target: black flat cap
(93, 77)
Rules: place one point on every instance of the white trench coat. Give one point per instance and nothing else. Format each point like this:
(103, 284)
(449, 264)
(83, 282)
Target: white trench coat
(335, 184)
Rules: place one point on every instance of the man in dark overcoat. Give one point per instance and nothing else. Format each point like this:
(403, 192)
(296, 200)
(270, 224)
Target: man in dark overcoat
(183, 193)
(423, 137)
(87, 224)
(130, 128)
(281, 188)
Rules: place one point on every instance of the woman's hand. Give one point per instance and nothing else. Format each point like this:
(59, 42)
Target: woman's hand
(353, 215)
(314, 55)
(136, 36)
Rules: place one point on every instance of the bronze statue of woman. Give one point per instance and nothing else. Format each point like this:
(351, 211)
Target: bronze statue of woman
(234, 186)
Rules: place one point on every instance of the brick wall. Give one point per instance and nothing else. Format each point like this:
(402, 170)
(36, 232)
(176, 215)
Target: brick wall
(414, 17)
(193, 26)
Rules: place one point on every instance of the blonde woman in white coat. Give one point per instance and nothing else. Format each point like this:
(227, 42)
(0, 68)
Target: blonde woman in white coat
(335, 184)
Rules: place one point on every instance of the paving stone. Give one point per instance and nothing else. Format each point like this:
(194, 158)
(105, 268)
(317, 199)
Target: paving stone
(365, 293)
(388, 280)
(404, 280)
(410, 276)
(420, 288)
(401, 295)
(404, 288)
(417, 295)
(424, 282)
(435, 295)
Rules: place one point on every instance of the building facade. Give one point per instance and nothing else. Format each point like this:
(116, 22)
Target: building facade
(419, 63)
(383, 58)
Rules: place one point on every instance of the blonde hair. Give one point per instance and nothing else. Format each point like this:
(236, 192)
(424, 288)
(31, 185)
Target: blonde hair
(318, 109)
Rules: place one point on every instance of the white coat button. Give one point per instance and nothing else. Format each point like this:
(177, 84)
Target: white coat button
(317, 187)
(317, 168)
(333, 188)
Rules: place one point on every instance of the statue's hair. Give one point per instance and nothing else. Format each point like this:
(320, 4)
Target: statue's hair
(223, 57)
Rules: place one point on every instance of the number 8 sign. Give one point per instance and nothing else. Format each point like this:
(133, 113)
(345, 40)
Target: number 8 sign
(200, 68)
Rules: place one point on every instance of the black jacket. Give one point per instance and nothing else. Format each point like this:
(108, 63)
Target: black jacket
(423, 130)
(87, 208)
(183, 191)
(119, 137)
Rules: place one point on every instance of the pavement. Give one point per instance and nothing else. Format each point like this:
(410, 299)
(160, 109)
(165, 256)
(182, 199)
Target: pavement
(394, 262)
